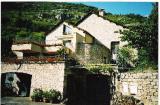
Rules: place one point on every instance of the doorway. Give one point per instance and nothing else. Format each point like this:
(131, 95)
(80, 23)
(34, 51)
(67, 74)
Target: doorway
(98, 89)
(91, 89)
(16, 84)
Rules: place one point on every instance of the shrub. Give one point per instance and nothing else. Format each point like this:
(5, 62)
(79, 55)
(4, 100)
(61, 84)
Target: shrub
(46, 96)
(99, 68)
(127, 57)
(37, 95)
(55, 96)
(38, 36)
(22, 34)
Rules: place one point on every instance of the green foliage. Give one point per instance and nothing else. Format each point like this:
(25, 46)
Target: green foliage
(55, 96)
(47, 95)
(144, 61)
(38, 36)
(99, 68)
(144, 37)
(22, 34)
(37, 94)
(125, 20)
(30, 36)
(127, 57)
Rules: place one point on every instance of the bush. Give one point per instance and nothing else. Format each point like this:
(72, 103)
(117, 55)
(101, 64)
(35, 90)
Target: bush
(55, 96)
(38, 36)
(23, 34)
(127, 57)
(46, 96)
(37, 95)
(52, 96)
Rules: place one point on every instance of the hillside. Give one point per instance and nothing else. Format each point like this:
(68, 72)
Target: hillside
(31, 20)
(126, 20)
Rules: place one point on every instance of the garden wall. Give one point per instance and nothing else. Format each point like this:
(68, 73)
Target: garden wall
(143, 86)
(46, 76)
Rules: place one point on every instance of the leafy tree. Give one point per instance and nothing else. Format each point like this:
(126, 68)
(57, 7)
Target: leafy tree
(127, 57)
(38, 36)
(144, 37)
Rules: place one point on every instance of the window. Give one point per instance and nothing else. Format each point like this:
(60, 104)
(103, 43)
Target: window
(114, 50)
(66, 30)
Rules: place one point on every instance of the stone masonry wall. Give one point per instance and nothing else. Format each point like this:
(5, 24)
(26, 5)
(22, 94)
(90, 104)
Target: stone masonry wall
(46, 76)
(143, 86)
(93, 53)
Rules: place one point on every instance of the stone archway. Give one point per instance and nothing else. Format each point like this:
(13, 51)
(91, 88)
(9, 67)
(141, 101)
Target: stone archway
(15, 84)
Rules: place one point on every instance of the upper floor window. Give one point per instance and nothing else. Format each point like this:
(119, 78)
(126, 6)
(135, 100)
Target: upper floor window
(66, 30)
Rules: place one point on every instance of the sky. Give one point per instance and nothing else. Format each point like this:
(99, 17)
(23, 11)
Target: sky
(142, 8)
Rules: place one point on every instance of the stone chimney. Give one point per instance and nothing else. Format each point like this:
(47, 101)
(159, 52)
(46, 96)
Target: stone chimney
(101, 12)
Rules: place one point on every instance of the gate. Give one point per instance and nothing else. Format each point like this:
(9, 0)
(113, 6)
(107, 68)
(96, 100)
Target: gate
(92, 89)
(98, 89)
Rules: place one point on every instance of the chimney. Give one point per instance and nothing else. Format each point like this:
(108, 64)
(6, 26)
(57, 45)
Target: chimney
(101, 12)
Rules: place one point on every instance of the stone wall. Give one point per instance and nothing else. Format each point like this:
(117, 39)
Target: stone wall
(94, 53)
(46, 76)
(143, 86)
(119, 99)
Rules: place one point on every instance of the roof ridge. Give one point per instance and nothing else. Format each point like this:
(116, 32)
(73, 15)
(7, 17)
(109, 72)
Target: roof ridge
(96, 13)
(81, 20)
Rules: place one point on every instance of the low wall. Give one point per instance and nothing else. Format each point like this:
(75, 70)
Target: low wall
(143, 86)
(46, 76)
(119, 99)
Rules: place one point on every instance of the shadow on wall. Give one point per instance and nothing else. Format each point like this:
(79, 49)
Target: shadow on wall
(88, 89)
(15, 84)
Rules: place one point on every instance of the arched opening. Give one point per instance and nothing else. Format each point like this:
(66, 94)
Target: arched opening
(15, 84)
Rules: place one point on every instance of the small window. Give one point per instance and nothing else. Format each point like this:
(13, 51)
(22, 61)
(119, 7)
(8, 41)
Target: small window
(66, 30)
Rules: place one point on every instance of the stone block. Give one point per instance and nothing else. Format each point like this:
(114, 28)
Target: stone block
(153, 83)
(154, 99)
(140, 87)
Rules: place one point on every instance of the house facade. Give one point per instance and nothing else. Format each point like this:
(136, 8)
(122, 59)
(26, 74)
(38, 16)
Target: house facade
(92, 36)
(93, 40)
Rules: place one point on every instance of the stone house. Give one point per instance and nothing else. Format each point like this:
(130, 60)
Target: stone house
(91, 33)
(93, 40)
